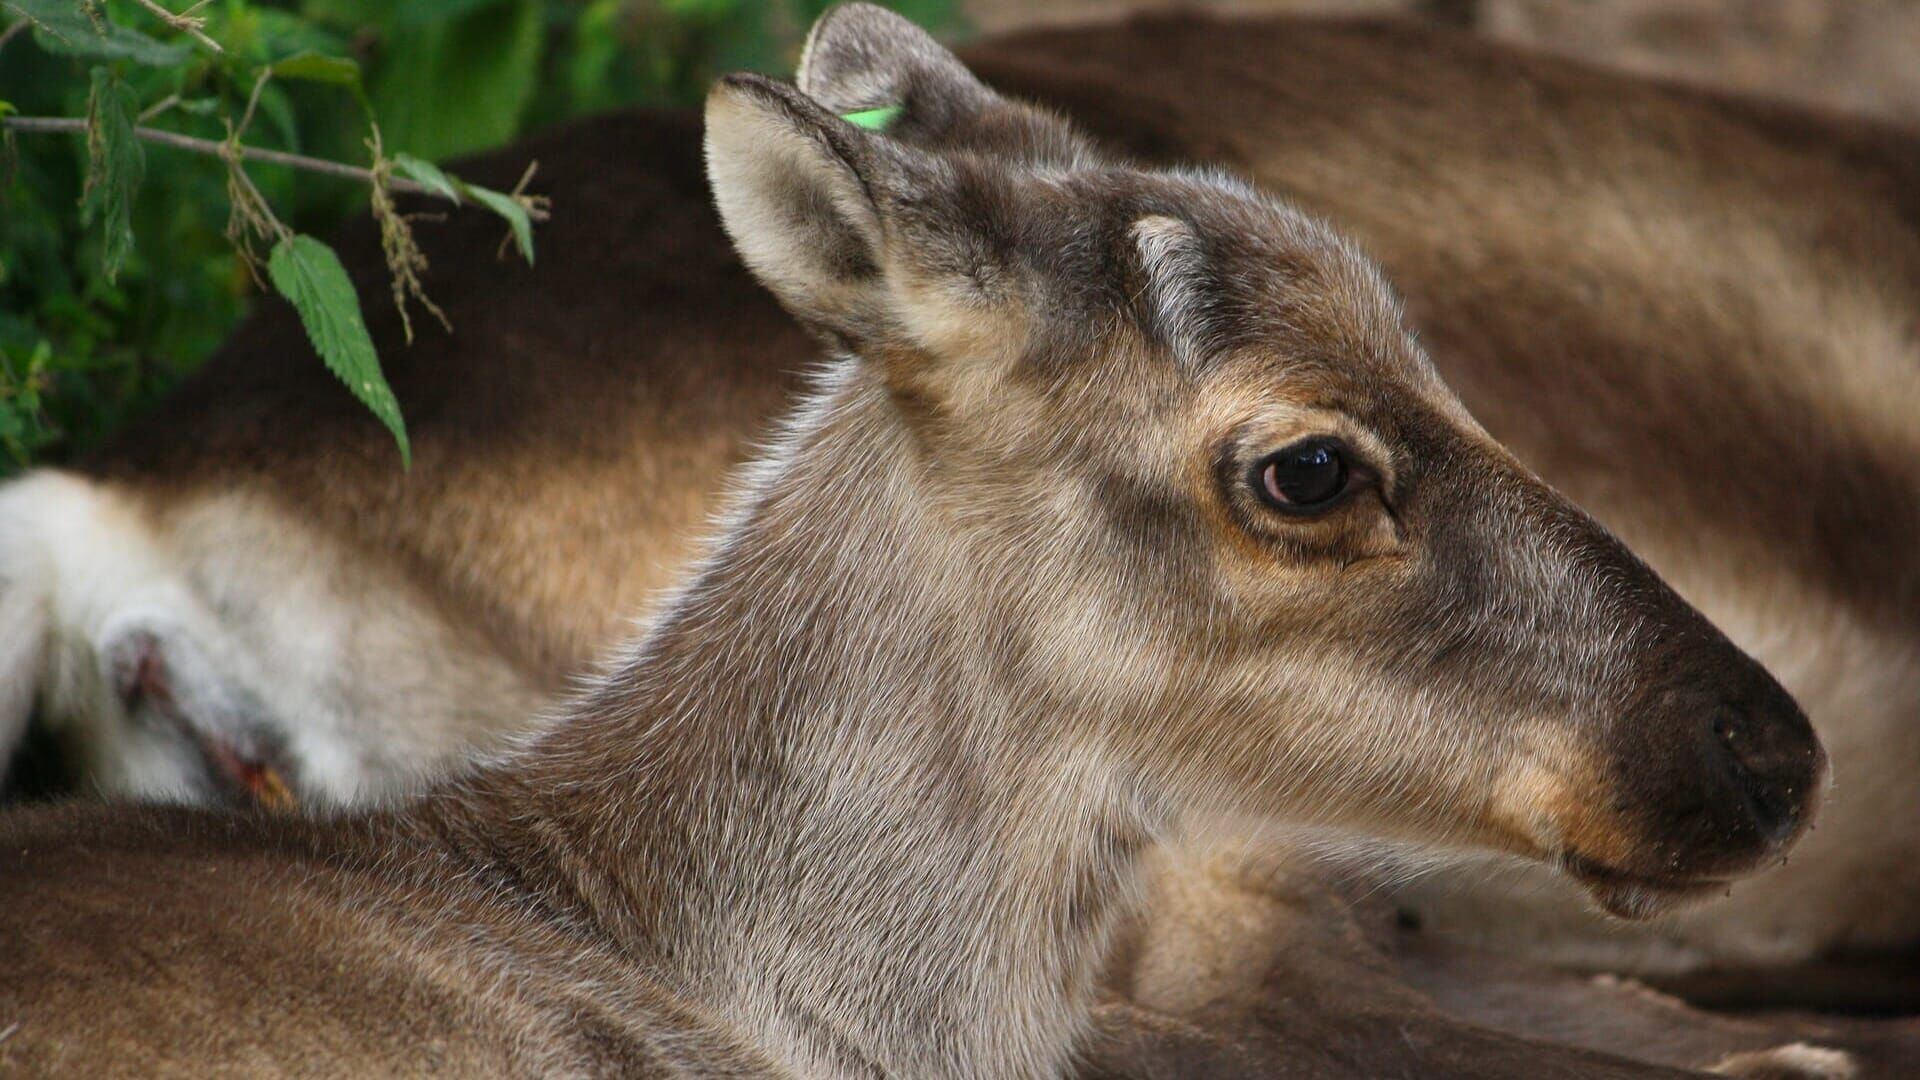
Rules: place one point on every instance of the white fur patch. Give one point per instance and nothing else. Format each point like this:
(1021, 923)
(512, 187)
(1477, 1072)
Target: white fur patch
(74, 559)
(1170, 257)
(271, 635)
(1793, 1060)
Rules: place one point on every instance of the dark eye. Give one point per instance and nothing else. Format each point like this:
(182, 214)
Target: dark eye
(1308, 475)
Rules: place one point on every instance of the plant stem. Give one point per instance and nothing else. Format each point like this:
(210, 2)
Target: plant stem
(158, 107)
(259, 203)
(213, 148)
(253, 102)
(185, 22)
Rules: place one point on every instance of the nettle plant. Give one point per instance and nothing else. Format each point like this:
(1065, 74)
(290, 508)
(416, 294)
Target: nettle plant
(144, 132)
(145, 90)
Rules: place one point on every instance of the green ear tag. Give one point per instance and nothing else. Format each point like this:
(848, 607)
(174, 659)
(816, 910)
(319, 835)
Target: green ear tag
(872, 119)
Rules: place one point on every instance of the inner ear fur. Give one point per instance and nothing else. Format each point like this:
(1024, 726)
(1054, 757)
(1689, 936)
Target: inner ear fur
(799, 192)
(874, 245)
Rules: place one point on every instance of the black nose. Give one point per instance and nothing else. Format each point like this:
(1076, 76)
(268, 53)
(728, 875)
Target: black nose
(1770, 761)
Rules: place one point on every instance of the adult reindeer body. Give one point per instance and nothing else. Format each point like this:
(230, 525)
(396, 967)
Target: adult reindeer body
(1126, 480)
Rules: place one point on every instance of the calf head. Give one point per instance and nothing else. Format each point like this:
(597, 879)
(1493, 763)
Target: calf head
(1228, 524)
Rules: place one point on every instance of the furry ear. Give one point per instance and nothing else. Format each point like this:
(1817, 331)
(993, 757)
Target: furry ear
(799, 191)
(867, 241)
(859, 57)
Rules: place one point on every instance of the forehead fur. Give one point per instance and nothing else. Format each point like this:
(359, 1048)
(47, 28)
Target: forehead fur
(1203, 265)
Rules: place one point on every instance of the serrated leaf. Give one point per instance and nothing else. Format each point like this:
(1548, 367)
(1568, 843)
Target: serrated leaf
(515, 214)
(116, 166)
(427, 173)
(309, 274)
(59, 26)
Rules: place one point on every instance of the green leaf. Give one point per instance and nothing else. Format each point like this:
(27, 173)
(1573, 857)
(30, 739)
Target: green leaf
(313, 67)
(452, 187)
(277, 108)
(466, 82)
(597, 46)
(59, 26)
(309, 274)
(504, 205)
(116, 166)
(332, 70)
(426, 172)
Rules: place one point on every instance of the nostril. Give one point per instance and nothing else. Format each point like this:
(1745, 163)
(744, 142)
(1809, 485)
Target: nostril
(1763, 771)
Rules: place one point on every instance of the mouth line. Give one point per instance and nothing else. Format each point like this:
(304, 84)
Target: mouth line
(1636, 896)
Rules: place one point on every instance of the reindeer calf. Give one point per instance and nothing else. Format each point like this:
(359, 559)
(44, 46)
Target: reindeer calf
(1127, 501)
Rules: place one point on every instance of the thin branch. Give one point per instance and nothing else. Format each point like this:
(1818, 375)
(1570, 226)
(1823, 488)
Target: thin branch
(526, 177)
(186, 22)
(157, 108)
(253, 102)
(534, 205)
(14, 31)
(213, 148)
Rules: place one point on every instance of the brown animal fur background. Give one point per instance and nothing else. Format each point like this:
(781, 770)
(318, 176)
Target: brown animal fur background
(1860, 55)
(697, 267)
